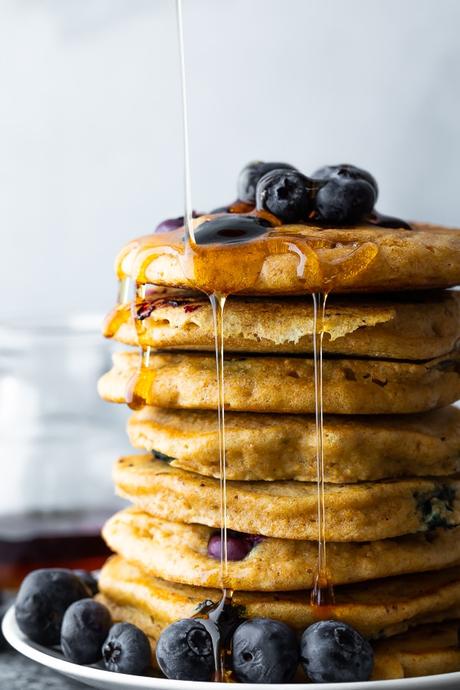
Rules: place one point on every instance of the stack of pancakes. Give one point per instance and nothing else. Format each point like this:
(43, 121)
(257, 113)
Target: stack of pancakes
(391, 373)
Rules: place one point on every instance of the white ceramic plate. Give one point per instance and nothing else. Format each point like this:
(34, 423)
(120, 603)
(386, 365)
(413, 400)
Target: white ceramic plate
(105, 680)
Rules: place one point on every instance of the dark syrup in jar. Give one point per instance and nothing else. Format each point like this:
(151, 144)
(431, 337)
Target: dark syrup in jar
(55, 539)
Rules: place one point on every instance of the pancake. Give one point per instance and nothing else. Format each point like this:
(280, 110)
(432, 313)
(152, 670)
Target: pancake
(427, 256)
(377, 609)
(269, 447)
(424, 651)
(413, 327)
(178, 553)
(286, 384)
(288, 510)
(403, 656)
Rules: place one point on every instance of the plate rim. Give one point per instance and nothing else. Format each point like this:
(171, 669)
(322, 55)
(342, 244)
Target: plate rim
(42, 656)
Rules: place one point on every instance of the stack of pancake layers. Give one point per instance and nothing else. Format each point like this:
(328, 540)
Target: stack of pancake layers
(391, 374)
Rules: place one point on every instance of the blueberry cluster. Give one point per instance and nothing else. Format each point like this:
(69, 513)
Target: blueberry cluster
(266, 651)
(339, 194)
(54, 608)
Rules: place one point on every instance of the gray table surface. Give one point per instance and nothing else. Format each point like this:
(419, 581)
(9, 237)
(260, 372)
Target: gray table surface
(19, 673)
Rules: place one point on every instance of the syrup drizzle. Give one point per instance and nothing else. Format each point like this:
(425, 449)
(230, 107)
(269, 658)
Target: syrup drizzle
(322, 593)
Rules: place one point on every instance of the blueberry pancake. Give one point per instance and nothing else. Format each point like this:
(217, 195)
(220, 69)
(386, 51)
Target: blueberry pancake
(380, 608)
(273, 447)
(373, 259)
(286, 384)
(190, 554)
(412, 327)
(288, 510)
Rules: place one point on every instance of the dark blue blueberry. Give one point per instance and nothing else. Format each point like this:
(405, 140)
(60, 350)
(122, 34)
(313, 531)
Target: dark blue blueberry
(185, 651)
(251, 174)
(264, 651)
(347, 171)
(85, 626)
(43, 598)
(287, 194)
(333, 652)
(230, 229)
(127, 650)
(344, 200)
(238, 545)
(89, 580)
(170, 224)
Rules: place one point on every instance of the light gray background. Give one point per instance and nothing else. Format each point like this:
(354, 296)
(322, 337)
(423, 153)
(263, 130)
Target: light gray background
(90, 139)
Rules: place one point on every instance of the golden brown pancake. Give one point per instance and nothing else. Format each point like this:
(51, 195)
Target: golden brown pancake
(286, 384)
(269, 447)
(178, 552)
(288, 510)
(414, 327)
(423, 651)
(377, 609)
(370, 259)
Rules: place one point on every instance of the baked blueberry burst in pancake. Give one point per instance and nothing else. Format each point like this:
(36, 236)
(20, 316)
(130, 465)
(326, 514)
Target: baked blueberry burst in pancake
(292, 365)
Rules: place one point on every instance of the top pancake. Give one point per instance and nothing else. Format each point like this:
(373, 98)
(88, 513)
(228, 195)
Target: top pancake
(361, 259)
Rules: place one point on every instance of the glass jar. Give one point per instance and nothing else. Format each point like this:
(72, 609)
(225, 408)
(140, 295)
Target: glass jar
(58, 441)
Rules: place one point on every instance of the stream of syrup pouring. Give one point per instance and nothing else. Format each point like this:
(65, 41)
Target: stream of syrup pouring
(222, 268)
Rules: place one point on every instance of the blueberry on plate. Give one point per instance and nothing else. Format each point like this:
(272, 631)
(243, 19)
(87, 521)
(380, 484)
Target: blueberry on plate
(127, 650)
(85, 626)
(344, 200)
(185, 651)
(251, 174)
(89, 580)
(287, 194)
(264, 651)
(345, 170)
(334, 652)
(43, 598)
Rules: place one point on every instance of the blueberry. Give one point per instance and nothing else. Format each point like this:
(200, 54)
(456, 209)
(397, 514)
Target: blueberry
(89, 580)
(185, 651)
(333, 652)
(347, 171)
(251, 174)
(173, 223)
(127, 650)
(344, 200)
(43, 598)
(264, 651)
(238, 545)
(85, 626)
(287, 194)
